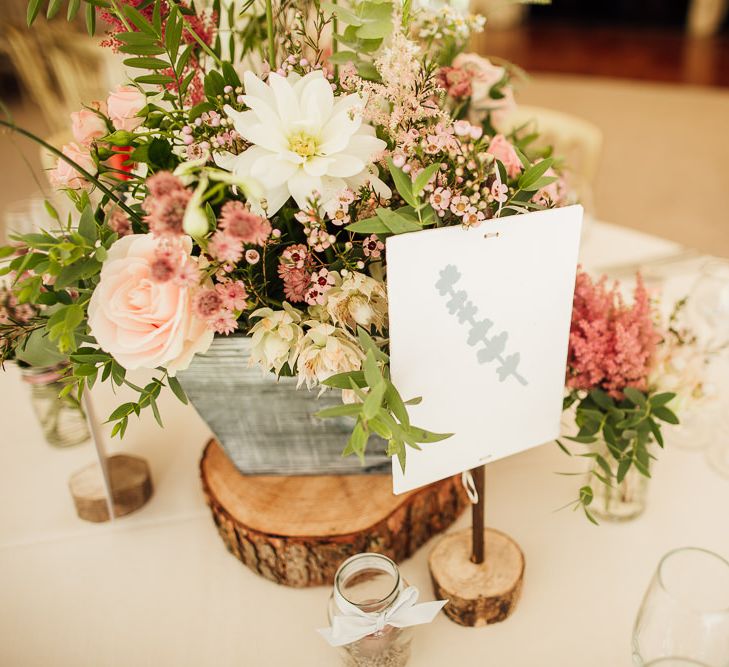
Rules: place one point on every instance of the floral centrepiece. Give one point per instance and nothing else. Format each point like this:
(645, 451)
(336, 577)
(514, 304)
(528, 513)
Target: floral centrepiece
(622, 384)
(245, 182)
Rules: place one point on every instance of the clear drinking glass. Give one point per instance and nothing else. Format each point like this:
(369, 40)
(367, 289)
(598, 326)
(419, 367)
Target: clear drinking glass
(684, 618)
(373, 583)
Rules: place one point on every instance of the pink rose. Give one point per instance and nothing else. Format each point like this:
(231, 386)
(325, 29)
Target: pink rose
(501, 108)
(123, 106)
(503, 151)
(484, 74)
(140, 322)
(87, 126)
(66, 176)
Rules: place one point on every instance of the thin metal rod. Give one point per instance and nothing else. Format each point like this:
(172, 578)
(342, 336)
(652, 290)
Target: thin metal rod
(478, 515)
(100, 451)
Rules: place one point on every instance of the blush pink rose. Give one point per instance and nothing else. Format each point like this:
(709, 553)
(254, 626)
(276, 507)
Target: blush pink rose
(123, 105)
(140, 322)
(66, 176)
(87, 126)
(484, 74)
(502, 150)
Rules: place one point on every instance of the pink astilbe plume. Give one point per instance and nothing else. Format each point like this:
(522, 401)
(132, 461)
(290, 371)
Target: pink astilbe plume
(611, 344)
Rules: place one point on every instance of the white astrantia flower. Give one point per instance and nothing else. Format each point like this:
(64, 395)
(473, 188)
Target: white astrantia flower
(305, 140)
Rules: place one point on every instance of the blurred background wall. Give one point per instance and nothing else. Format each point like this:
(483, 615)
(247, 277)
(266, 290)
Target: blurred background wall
(651, 76)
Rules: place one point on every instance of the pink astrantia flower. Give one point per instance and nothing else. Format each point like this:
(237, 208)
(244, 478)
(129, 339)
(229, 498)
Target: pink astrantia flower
(224, 323)
(207, 303)
(233, 293)
(296, 283)
(612, 344)
(162, 183)
(373, 247)
(166, 212)
(225, 248)
(119, 222)
(188, 275)
(502, 150)
(238, 222)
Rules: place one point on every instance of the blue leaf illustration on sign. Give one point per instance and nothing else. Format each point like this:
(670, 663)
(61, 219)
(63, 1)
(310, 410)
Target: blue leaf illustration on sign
(490, 348)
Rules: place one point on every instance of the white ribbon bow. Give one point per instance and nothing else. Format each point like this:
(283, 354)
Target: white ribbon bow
(352, 623)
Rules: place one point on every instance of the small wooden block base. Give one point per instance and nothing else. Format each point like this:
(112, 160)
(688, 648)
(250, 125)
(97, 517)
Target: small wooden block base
(478, 594)
(296, 531)
(131, 485)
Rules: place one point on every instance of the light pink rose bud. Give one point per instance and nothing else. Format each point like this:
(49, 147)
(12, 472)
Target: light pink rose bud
(87, 126)
(66, 176)
(123, 106)
(502, 150)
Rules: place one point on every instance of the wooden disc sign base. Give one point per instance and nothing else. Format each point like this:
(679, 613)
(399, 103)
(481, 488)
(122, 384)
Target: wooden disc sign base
(479, 571)
(297, 530)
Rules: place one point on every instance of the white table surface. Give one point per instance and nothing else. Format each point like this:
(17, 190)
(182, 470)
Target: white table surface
(158, 587)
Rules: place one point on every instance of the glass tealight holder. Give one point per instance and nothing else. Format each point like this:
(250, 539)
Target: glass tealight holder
(62, 420)
(372, 583)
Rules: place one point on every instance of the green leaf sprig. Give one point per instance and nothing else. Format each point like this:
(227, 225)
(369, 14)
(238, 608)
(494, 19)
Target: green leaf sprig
(380, 408)
(628, 426)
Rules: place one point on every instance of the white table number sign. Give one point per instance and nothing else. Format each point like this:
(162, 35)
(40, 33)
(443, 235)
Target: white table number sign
(479, 325)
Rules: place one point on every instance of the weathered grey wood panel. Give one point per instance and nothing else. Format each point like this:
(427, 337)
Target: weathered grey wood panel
(265, 424)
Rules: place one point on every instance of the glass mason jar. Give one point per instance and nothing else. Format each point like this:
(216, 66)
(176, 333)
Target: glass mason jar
(62, 419)
(622, 501)
(372, 582)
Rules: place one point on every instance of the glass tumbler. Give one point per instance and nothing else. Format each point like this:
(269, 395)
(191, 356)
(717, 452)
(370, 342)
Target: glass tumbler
(684, 618)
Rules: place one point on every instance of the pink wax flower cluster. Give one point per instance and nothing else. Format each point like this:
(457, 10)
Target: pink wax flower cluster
(612, 344)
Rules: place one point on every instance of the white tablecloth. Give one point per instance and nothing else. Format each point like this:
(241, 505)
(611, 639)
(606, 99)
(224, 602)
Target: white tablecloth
(158, 588)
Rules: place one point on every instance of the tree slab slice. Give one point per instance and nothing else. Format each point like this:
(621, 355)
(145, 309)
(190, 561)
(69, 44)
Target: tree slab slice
(131, 484)
(297, 530)
(477, 594)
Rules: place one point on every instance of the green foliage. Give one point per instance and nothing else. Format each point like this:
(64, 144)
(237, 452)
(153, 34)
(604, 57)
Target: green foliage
(627, 426)
(414, 217)
(368, 24)
(380, 408)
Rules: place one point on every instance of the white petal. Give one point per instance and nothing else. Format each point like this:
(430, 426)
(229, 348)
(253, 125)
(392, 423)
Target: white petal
(300, 82)
(302, 185)
(345, 121)
(271, 171)
(344, 165)
(240, 164)
(275, 199)
(254, 86)
(264, 113)
(268, 136)
(317, 101)
(287, 103)
(317, 166)
(365, 146)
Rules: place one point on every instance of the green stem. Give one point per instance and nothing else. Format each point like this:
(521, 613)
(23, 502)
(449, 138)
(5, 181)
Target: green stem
(202, 44)
(335, 27)
(78, 168)
(269, 33)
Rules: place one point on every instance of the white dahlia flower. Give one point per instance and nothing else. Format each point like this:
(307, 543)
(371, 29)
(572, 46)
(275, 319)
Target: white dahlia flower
(305, 140)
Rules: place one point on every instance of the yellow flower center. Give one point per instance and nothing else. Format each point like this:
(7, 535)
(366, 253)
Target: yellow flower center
(304, 144)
